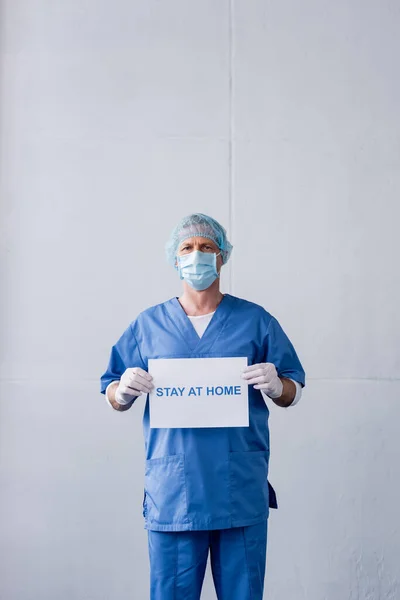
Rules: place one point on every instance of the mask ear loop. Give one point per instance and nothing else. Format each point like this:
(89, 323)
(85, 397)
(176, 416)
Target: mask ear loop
(215, 266)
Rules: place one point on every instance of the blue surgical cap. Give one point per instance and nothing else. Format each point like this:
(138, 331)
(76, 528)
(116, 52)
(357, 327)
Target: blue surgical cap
(198, 225)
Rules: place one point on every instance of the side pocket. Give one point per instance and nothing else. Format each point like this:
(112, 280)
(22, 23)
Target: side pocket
(165, 490)
(249, 485)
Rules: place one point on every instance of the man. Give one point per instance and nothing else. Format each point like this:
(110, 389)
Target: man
(206, 489)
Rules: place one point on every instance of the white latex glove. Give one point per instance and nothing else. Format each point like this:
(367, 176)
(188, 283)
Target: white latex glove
(133, 383)
(265, 378)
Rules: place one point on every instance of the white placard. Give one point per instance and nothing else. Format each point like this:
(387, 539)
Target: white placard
(198, 392)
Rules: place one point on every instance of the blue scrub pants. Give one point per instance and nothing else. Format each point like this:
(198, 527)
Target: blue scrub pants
(178, 562)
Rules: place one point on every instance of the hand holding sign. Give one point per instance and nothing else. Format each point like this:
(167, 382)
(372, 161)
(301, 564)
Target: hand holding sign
(264, 377)
(133, 383)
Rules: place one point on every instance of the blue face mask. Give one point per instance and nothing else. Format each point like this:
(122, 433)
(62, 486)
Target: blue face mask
(198, 269)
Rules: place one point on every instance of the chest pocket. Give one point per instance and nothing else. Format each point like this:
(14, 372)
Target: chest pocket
(165, 490)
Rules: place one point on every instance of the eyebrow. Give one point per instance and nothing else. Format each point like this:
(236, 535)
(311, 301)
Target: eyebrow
(191, 244)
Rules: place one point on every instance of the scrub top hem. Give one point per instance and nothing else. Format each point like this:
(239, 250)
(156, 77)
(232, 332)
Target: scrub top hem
(205, 526)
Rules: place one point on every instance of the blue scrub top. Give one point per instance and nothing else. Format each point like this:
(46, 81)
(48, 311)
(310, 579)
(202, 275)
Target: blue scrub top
(206, 478)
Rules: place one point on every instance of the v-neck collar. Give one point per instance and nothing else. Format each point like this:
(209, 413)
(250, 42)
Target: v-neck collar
(187, 331)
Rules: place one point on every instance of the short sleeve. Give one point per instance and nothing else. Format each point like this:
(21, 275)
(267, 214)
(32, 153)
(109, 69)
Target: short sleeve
(124, 354)
(280, 352)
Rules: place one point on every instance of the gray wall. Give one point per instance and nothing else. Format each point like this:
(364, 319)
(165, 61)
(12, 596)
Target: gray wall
(281, 120)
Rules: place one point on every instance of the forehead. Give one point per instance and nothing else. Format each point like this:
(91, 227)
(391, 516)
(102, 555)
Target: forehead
(197, 239)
